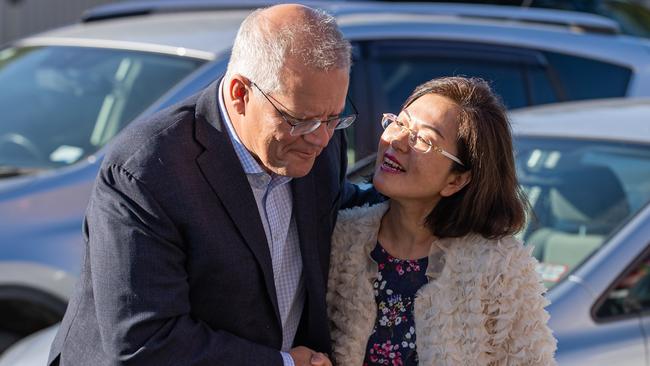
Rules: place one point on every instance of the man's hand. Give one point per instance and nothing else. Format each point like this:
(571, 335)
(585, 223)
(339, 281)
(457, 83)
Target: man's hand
(303, 356)
(320, 359)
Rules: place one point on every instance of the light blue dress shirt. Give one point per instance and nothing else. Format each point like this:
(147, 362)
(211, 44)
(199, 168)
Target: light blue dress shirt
(275, 205)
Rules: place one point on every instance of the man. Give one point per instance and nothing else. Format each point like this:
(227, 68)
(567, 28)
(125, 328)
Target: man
(209, 226)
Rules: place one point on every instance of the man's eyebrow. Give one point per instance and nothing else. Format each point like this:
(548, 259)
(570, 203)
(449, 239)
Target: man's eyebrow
(331, 116)
(307, 119)
(289, 113)
(425, 125)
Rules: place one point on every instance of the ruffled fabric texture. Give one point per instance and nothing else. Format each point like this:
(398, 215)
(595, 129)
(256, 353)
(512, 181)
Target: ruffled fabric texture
(486, 306)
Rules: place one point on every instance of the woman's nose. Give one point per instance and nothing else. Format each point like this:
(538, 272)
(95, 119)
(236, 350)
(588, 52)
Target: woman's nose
(400, 141)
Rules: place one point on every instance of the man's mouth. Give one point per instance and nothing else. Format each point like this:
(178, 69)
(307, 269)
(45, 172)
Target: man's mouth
(306, 154)
(391, 164)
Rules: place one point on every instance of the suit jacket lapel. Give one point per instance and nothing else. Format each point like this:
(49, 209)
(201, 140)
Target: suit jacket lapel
(224, 173)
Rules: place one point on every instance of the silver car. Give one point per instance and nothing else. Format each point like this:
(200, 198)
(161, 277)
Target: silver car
(66, 93)
(586, 170)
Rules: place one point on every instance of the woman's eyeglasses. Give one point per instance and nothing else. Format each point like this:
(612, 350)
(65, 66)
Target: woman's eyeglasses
(393, 128)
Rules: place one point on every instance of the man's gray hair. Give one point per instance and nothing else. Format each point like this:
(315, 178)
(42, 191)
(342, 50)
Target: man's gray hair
(261, 49)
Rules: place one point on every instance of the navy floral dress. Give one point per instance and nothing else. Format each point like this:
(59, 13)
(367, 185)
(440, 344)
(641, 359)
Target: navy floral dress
(392, 341)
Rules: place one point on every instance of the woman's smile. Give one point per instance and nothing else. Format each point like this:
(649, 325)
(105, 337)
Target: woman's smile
(390, 164)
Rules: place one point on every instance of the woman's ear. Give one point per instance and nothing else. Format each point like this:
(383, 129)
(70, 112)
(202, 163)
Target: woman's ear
(455, 183)
(237, 93)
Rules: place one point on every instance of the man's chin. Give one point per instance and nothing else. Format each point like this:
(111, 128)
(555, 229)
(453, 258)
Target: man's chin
(298, 172)
(295, 169)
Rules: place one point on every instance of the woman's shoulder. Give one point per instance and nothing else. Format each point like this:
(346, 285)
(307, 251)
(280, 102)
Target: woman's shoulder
(356, 228)
(359, 220)
(486, 253)
(478, 244)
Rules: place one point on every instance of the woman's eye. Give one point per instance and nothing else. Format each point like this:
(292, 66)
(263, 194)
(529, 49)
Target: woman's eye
(424, 140)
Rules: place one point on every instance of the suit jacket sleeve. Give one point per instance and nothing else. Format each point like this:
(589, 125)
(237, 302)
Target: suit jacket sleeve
(141, 287)
(351, 194)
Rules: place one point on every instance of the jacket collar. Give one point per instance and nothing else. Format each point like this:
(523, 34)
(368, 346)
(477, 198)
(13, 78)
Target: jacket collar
(223, 171)
(374, 214)
(234, 191)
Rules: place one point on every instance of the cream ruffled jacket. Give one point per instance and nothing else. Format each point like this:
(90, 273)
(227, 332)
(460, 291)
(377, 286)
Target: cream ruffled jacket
(485, 306)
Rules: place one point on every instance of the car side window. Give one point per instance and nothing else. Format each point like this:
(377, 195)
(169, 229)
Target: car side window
(398, 66)
(630, 295)
(576, 75)
(402, 75)
(540, 86)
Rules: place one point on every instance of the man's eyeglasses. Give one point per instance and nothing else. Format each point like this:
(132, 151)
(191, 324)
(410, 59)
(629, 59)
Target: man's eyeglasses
(303, 127)
(393, 128)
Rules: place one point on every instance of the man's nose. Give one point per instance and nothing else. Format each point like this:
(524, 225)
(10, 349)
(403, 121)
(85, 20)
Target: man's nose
(320, 136)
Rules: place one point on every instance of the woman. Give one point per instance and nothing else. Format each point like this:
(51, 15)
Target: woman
(434, 276)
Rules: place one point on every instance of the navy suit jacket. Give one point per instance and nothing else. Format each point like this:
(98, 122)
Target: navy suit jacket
(177, 269)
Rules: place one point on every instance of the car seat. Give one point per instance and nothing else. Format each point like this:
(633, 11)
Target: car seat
(585, 204)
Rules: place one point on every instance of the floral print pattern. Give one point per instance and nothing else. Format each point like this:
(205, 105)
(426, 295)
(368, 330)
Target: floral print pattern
(392, 341)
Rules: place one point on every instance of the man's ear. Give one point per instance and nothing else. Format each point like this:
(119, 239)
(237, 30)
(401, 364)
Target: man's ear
(455, 183)
(237, 94)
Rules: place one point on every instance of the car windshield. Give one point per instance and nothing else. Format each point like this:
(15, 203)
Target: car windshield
(61, 104)
(580, 191)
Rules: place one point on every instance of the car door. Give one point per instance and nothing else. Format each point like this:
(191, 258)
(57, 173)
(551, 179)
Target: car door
(623, 315)
(600, 314)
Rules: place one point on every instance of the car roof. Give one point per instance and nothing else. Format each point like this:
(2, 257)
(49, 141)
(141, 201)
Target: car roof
(199, 30)
(620, 119)
(201, 34)
(584, 21)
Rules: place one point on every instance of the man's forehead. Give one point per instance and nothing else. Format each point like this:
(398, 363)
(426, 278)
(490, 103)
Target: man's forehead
(305, 107)
(327, 86)
(293, 68)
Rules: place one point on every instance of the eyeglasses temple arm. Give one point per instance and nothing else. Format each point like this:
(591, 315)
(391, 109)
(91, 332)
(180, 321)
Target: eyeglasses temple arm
(443, 152)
